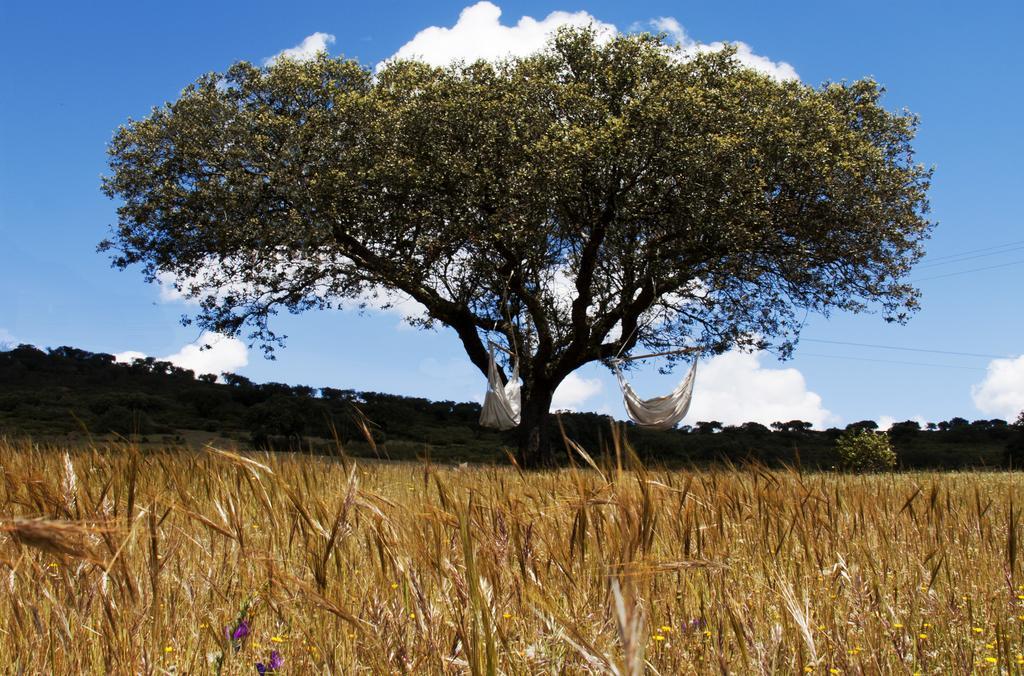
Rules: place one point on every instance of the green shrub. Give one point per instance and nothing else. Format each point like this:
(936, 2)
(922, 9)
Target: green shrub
(862, 450)
(123, 421)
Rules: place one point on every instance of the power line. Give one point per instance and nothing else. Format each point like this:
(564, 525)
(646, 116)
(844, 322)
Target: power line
(892, 361)
(963, 258)
(964, 272)
(907, 349)
(972, 251)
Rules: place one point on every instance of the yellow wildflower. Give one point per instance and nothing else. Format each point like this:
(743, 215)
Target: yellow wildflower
(922, 636)
(659, 637)
(991, 660)
(977, 630)
(168, 649)
(277, 639)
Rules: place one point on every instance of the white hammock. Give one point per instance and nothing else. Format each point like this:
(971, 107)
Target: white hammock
(659, 413)
(502, 403)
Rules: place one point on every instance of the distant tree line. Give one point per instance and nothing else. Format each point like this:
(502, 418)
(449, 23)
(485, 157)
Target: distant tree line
(66, 390)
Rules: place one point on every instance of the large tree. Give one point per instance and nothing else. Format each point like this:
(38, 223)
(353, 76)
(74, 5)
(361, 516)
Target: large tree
(574, 205)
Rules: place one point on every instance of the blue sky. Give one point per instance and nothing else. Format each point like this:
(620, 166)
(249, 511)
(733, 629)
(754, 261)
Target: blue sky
(72, 72)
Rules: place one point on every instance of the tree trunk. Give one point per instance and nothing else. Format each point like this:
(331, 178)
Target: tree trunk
(535, 450)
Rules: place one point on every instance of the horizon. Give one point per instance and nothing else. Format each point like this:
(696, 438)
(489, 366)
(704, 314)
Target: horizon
(229, 379)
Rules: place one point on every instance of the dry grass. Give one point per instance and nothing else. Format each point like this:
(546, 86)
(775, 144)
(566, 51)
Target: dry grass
(118, 562)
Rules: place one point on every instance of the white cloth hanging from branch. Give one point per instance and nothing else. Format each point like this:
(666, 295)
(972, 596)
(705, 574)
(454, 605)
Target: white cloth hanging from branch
(659, 413)
(502, 403)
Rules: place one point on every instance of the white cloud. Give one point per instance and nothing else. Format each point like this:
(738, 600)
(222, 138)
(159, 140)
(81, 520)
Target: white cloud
(780, 70)
(382, 300)
(670, 25)
(887, 421)
(174, 289)
(169, 293)
(7, 340)
(128, 356)
(573, 391)
(310, 46)
(1001, 393)
(734, 388)
(479, 34)
(223, 354)
(374, 300)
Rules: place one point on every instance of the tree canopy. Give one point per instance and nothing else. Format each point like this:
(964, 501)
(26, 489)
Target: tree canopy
(573, 204)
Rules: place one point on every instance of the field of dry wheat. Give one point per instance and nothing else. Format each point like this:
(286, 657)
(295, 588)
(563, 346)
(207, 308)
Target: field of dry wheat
(115, 561)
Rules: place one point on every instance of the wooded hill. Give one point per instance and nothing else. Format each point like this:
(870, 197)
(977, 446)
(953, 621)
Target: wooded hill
(66, 393)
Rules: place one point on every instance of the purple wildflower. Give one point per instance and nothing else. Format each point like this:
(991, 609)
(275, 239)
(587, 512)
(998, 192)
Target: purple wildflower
(235, 636)
(273, 664)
